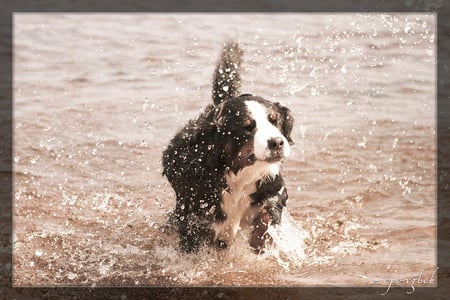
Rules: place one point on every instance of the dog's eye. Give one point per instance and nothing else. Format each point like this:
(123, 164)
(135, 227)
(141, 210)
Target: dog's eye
(272, 118)
(249, 124)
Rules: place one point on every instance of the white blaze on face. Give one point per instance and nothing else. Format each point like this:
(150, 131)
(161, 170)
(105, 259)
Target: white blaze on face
(264, 131)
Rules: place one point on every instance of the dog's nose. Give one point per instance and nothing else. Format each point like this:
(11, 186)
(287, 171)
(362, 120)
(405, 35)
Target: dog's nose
(275, 143)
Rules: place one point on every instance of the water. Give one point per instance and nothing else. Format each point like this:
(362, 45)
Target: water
(97, 97)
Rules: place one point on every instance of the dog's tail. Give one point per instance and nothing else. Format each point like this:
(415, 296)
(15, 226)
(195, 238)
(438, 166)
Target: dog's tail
(227, 80)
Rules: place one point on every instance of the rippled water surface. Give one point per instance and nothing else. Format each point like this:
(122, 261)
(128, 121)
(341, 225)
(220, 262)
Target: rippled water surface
(97, 97)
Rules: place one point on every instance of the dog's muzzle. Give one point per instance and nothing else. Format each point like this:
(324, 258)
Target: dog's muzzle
(276, 149)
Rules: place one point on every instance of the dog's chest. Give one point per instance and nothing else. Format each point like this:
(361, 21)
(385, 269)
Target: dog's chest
(241, 185)
(236, 199)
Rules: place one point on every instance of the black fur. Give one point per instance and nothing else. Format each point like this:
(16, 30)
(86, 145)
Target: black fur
(207, 148)
(227, 80)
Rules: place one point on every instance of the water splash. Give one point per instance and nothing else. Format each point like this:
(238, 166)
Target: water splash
(289, 240)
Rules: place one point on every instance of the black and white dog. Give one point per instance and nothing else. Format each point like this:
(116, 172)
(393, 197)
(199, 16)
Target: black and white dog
(225, 165)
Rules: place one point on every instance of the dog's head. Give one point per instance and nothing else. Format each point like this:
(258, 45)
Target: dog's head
(251, 128)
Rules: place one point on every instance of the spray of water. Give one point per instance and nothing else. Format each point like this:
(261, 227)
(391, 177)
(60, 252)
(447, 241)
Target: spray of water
(288, 241)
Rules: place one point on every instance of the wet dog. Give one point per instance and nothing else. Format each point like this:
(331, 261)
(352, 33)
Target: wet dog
(225, 165)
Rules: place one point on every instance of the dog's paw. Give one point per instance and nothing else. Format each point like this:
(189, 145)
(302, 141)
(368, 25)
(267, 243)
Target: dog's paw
(274, 214)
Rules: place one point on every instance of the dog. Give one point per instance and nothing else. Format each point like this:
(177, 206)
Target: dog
(224, 166)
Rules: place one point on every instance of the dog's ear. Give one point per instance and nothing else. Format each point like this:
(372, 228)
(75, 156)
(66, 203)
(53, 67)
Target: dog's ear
(287, 122)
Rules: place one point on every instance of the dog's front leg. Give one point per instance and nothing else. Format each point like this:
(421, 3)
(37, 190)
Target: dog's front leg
(271, 196)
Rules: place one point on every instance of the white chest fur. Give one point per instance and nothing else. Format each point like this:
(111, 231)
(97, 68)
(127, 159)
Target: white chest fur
(236, 201)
